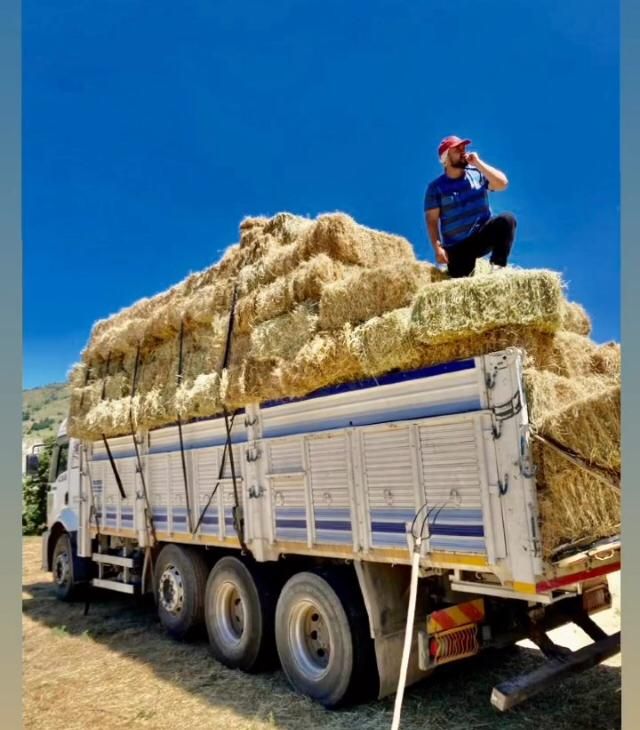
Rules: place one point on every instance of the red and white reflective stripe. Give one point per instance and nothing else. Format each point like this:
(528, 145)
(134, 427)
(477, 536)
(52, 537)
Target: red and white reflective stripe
(549, 585)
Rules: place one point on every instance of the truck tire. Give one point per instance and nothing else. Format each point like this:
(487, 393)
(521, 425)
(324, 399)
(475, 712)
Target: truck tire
(180, 578)
(322, 637)
(239, 613)
(62, 569)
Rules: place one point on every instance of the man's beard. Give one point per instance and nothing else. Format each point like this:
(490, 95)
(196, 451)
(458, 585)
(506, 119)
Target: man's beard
(460, 165)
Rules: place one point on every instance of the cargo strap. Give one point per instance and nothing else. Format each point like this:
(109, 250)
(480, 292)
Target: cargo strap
(182, 457)
(151, 530)
(220, 477)
(114, 468)
(606, 476)
(87, 375)
(238, 520)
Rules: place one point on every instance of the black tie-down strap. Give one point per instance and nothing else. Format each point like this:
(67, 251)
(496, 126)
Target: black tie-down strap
(114, 468)
(238, 520)
(148, 514)
(182, 457)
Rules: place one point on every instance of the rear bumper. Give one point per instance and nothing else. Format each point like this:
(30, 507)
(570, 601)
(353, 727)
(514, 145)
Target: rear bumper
(45, 550)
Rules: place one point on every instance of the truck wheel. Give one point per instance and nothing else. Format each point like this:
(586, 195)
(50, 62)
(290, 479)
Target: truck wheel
(239, 613)
(322, 636)
(62, 568)
(180, 579)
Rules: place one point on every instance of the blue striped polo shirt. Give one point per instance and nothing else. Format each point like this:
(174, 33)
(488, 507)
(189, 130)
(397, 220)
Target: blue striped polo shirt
(463, 203)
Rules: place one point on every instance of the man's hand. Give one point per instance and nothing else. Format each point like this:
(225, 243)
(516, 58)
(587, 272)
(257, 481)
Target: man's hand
(441, 254)
(473, 158)
(497, 179)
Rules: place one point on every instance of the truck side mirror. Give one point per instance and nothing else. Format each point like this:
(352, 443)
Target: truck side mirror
(31, 464)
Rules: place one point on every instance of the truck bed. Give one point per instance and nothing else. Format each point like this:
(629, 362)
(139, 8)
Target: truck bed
(350, 472)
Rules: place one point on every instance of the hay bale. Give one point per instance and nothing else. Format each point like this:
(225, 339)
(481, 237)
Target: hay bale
(323, 361)
(588, 426)
(253, 381)
(606, 360)
(575, 319)
(573, 506)
(276, 263)
(283, 336)
(341, 238)
(457, 309)
(281, 296)
(366, 293)
(384, 343)
(200, 397)
(548, 392)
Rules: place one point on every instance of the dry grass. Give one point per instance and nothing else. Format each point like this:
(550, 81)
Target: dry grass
(366, 293)
(281, 296)
(572, 503)
(115, 668)
(456, 309)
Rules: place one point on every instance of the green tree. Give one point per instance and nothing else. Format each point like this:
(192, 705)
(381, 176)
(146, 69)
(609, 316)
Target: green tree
(34, 493)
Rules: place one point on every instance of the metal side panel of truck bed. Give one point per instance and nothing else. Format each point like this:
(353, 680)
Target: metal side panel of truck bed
(343, 473)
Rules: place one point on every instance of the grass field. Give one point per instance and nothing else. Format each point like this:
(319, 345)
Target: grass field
(115, 668)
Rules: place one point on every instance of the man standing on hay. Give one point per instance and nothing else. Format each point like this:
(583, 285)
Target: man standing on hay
(457, 212)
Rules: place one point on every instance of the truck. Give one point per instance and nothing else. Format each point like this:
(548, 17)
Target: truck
(362, 536)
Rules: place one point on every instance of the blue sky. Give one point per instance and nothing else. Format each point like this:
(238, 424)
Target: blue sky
(151, 130)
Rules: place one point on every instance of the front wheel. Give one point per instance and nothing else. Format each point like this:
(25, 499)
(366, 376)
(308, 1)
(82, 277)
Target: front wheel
(62, 568)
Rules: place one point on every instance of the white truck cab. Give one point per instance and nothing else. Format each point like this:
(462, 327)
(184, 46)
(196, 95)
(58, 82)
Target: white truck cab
(59, 553)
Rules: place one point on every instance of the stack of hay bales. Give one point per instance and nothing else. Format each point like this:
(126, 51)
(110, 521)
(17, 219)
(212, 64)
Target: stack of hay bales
(300, 304)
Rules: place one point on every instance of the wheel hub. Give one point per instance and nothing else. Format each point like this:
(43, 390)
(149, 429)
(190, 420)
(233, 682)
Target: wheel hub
(229, 613)
(62, 568)
(171, 593)
(310, 639)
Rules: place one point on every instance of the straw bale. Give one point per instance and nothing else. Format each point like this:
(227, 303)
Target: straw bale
(253, 381)
(325, 360)
(200, 397)
(575, 319)
(384, 343)
(606, 359)
(366, 293)
(573, 505)
(547, 392)
(285, 335)
(589, 426)
(276, 263)
(282, 295)
(341, 238)
(455, 309)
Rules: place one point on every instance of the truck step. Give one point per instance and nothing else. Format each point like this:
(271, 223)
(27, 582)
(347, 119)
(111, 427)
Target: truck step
(114, 585)
(113, 560)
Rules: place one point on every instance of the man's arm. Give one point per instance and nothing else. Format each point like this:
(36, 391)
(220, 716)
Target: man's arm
(432, 219)
(497, 179)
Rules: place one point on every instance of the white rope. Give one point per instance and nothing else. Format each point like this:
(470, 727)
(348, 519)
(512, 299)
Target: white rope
(408, 635)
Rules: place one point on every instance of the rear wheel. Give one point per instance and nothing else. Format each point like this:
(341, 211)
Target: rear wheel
(62, 568)
(323, 640)
(239, 610)
(180, 579)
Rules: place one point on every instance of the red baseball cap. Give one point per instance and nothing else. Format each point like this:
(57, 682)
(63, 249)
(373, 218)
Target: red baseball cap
(449, 142)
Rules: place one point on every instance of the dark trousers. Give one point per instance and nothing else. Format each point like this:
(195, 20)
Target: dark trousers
(495, 237)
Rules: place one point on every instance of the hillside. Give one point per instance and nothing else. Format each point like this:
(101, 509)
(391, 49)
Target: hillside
(43, 409)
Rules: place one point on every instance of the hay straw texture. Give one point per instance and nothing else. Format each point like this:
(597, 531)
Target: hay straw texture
(459, 308)
(582, 415)
(366, 293)
(327, 301)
